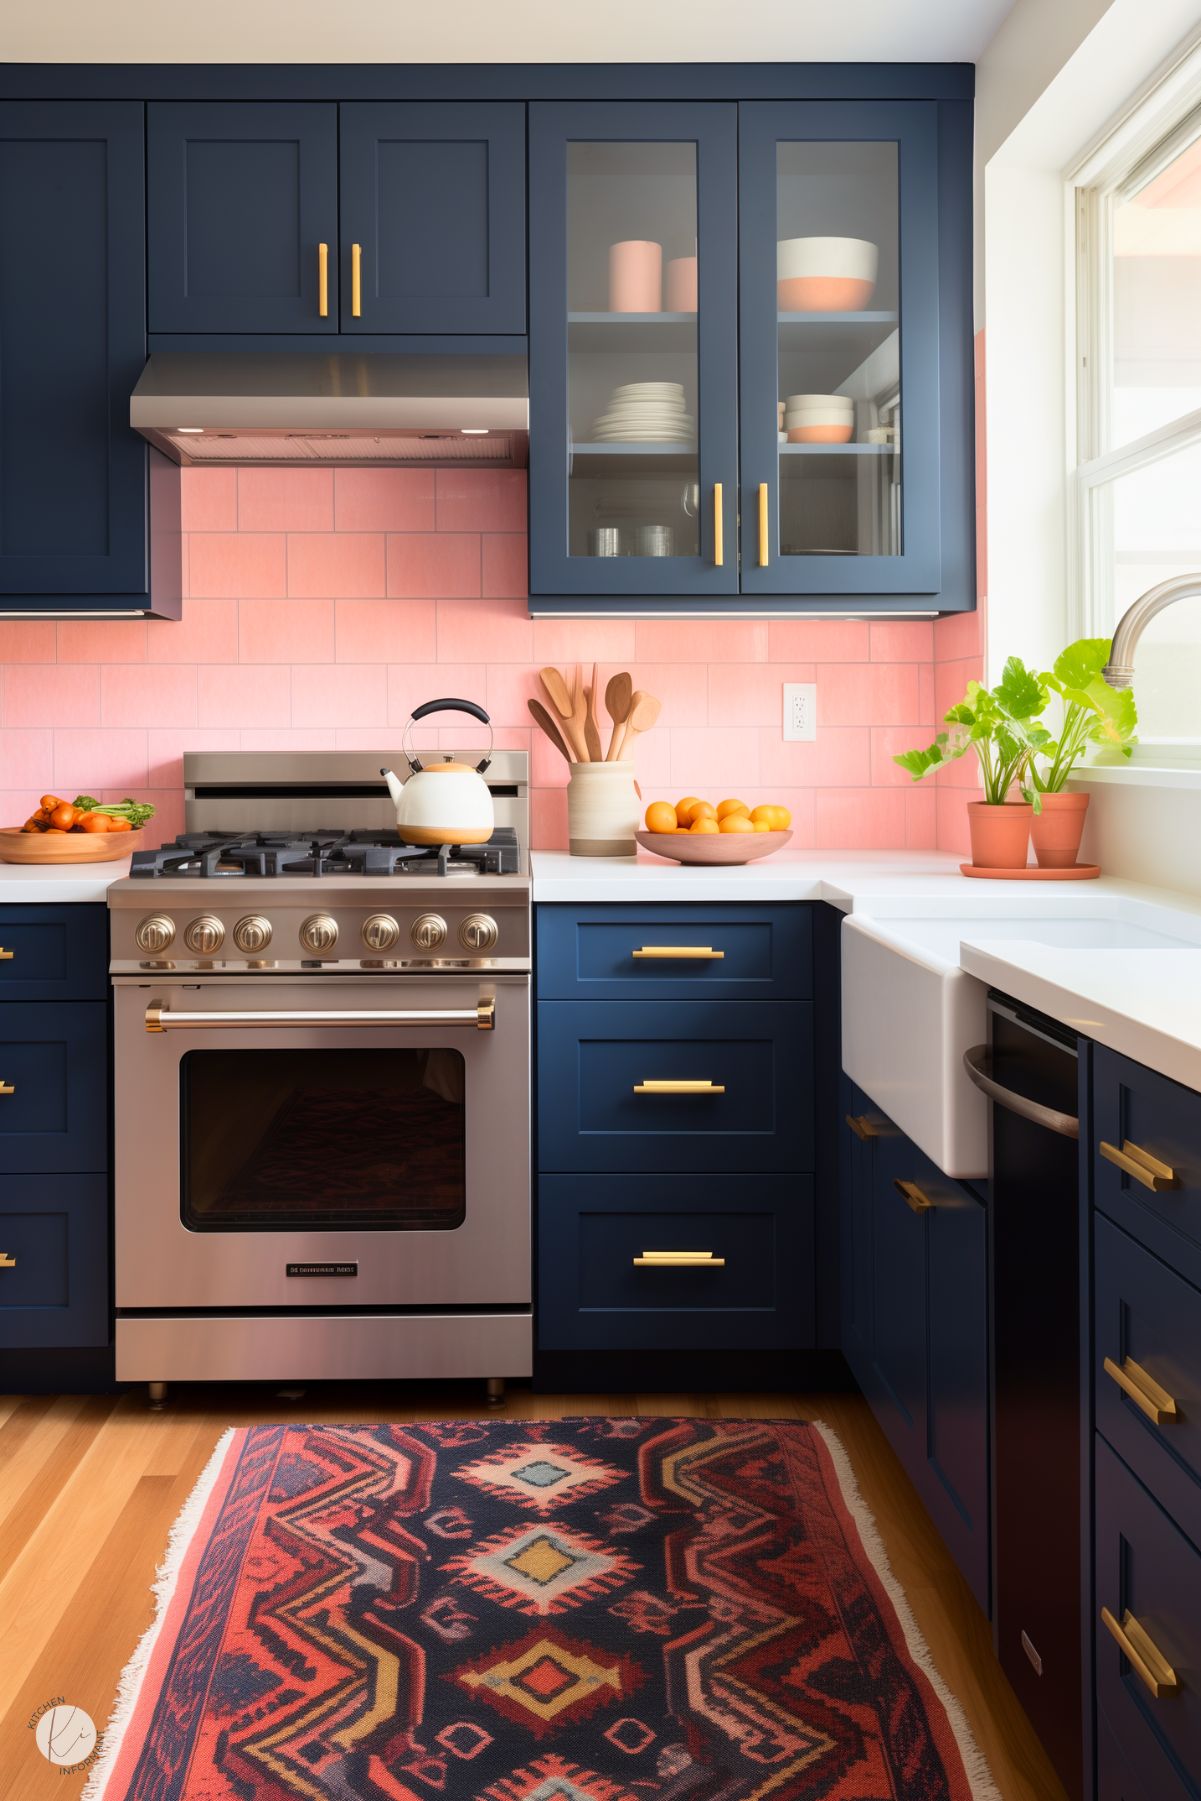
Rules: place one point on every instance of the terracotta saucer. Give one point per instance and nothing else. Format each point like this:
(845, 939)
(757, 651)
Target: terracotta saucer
(1078, 872)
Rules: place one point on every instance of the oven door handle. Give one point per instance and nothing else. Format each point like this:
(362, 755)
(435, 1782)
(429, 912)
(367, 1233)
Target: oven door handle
(482, 1017)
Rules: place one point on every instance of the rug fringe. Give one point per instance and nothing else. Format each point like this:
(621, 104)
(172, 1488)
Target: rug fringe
(129, 1684)
(975, 1764)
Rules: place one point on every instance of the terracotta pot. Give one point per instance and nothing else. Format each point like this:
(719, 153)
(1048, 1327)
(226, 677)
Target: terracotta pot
(1057, 830)
(1000, 835)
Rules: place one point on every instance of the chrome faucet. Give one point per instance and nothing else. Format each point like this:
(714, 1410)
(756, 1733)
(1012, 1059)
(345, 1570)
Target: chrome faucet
(1119, 671)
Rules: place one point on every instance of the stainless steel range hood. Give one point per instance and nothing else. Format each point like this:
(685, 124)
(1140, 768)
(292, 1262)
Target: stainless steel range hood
(222, 407)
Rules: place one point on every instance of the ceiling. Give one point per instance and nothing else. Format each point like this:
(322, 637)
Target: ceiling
(500, 31)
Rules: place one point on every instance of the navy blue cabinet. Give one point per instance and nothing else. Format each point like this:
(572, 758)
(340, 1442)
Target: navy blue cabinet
(73, 476)
(53, 1262)
(432, 218)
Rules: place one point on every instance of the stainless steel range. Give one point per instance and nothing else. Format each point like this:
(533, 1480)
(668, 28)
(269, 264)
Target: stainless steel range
(322, 1083)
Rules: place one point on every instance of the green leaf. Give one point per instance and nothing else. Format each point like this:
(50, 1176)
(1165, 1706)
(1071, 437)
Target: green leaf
(921, 762)
(1082, 662)
(1019, 693)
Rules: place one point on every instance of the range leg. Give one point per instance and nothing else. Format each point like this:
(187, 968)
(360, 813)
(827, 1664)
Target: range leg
(156, 1394)
(496, 1390)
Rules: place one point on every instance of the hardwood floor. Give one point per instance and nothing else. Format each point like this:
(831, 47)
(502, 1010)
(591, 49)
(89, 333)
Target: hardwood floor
(90, 1485)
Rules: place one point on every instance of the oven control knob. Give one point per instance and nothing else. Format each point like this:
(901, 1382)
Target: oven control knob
(429, 931)
(478, 932)
(252, 934)
(319, 932)
(155, 932)
(380, 932)
(204, 935)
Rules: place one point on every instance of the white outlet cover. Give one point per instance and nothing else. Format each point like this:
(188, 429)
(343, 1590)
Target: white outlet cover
(800, 712)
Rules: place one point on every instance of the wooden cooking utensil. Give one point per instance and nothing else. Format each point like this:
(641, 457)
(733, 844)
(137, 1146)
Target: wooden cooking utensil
(592, 737)
(618, 694)
(579, 714)
(560, 699)
(644, 710)
(551, 729)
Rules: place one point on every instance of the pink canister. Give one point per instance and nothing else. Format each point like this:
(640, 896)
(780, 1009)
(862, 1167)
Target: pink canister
(635, 276)
(681, 284)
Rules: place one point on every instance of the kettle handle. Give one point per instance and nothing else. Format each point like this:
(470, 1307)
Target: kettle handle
(448, 705)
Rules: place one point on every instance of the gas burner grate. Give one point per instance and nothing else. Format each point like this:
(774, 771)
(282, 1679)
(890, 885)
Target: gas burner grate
(227, 856)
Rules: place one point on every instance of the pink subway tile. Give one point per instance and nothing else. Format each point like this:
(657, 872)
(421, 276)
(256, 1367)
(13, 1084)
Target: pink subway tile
(887, 741)
(880, 694)
(90, 760)
(168, 804)
(952, 826)
(236, 563)
(131, 694)
(682, 688)
(336, 563)
(548, 818)
(818, 640)
(492, 631)
(411, 685)
(957, 635)
(26, 761)
(481, 500)
(894, 691)
(209, 500)
(576, 640)
(651, 757)
(750, 693)
(951, 680)
(859, 819)
(285, 500)
(509, 687)
(469, 735)
(504, 568)
(702, 640)
(901, 640)
(286, 631)
(705, 757)
(207, 633)
(399, 629)
(166, 744)
(52, 694)
(382, 738)
(921, 819)
(925, 691)
(548, 768)
(102, 641)
(839, 757)
(28, 641)
(433, 563)
(230, 694)
(384, 500)
(344, 694)
(289, 737)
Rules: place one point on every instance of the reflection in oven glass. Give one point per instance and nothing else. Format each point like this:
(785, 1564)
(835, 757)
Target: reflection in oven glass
(323, 1140)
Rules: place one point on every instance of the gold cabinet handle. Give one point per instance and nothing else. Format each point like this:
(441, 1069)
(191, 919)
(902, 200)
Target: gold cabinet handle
(719, 546)
(356, 281)
(1141, 1653)
(915, 1198)
(864, 1127)
(1142, 1388)
(696, 953)
(323, 280)
(6, 956)
(678, 1260)
(1134, 1161)
(679, 1088)
(7, 1088)
(763, 525)
(7, 1262)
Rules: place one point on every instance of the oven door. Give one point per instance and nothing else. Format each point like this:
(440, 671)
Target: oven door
(311, 1142)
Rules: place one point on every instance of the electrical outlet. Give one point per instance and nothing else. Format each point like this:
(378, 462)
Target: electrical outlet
(800, 712)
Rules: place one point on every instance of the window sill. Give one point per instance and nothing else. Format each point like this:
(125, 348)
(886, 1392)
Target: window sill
(1140, 775)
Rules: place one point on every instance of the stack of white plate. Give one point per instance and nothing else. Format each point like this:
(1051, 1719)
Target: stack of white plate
(645, 412)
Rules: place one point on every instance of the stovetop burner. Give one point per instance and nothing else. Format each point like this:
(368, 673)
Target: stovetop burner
(321, 853)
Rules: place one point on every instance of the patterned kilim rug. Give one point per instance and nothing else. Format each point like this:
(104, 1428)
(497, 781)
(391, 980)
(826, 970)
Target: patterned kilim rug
(563, 1610)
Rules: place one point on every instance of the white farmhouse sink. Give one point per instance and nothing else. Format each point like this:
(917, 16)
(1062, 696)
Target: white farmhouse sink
(909, 1011)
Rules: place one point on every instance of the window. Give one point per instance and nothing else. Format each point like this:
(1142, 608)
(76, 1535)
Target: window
(1138, 474)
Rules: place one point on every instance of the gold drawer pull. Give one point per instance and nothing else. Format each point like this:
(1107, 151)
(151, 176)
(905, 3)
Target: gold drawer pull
(695, 953)
(356, 281)
(719, 548)
(763, 525)
(323, 281)
(1143, 1389)
(1142, 1654)
(6, 956)
(7, 1262)
(705, 1087)
(7, 1088)
(678, 1260)
(915, 1198)
(1140, 1164)
(864, 1127)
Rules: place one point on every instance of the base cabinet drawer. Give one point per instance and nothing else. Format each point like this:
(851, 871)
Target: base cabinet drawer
(1116, 1781)
(54, 1262)
(54, 953)
(1148, 1578)
(677, 1263)
(53, 1087)
(663, 953)
(1147, 1159)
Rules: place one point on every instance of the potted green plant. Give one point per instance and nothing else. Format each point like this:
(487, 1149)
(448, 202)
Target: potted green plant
(1093, 713)
(1001, 725)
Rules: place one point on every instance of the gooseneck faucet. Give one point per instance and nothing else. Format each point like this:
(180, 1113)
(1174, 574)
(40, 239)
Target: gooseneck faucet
(1119, 671)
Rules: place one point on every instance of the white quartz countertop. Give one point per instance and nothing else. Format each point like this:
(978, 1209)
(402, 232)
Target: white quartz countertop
(26, 884)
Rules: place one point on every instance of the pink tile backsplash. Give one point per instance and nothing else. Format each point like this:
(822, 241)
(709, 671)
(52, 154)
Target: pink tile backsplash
(325, 605)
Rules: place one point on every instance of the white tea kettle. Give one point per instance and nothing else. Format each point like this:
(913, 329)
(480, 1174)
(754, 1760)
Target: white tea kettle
(443, 802)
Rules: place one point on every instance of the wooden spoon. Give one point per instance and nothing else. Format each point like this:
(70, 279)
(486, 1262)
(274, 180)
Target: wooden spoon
(618, 695)
(644, 710)
(579, 715)
(551, 729)
(592, 737)
(561, 701)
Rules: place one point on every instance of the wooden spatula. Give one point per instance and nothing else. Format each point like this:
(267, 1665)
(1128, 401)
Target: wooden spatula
(618, 695)
(644, 710)
(592, 737)
(560, 699)
(551, 729)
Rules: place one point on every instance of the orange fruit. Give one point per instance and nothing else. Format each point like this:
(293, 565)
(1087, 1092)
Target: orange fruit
(783, 819)
(704, 824)
(700, 809)
(661, 816)
(761, 825)
(683, 806)
(765, 815)
(735, 822)
(731, 806)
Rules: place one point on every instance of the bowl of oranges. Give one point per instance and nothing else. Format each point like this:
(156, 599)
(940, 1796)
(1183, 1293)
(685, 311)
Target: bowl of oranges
(697, 831)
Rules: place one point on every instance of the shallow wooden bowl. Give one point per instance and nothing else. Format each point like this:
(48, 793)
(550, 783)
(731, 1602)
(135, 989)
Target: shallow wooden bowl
(17, 846)
(713, 847)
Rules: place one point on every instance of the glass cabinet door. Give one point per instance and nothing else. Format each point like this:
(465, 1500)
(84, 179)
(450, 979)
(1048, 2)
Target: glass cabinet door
(839, 354)
(633, 334)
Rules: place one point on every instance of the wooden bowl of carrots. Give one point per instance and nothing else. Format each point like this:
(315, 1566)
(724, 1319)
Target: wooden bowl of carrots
(80, 831)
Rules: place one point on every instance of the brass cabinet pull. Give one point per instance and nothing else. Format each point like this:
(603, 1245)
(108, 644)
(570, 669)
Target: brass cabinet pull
(323, 280)
(1134, 1161)
(1142, 1654)
(864, 1127)
(696, 953)
(705, 1087)
(7, 1088)
(1142, 1389)
(719, 546)
(915, 1198)
(678, 1260)
(6, 956)
(7, 1262)
(763, 525)
(356, 281)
